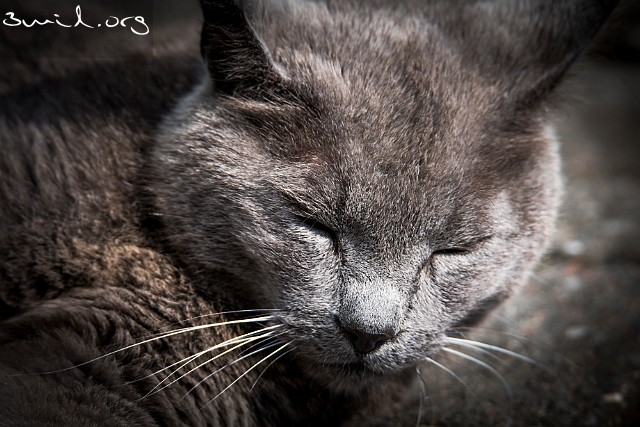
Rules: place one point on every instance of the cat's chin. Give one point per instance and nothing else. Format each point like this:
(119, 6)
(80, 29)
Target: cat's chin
(355, 379)
(358, 371)
(350, 377)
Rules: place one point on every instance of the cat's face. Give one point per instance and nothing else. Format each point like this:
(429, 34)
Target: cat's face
(375, 193)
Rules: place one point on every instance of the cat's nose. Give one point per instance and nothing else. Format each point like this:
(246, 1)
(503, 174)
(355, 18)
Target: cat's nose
(365, 342)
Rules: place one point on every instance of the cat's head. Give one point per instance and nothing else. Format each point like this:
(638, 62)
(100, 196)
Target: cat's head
(378, 173)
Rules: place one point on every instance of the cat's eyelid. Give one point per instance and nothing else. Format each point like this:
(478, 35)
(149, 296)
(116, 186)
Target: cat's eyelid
(451, 251)
(462, 248)
(301, 211)
(318, 227)
(310, 220)
(304, 216)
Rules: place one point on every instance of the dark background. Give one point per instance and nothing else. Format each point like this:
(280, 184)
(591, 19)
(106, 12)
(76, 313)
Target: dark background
(579, 316)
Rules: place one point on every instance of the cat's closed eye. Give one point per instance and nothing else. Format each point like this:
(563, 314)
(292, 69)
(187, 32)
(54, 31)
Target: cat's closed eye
(451, 251)
(444, 253)
(321, 230)
(446, 256)
(462, 249)
(316, 226)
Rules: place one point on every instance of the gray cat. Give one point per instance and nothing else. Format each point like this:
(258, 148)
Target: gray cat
(333, 190)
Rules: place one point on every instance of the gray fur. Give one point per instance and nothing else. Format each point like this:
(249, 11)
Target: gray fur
(364, 165)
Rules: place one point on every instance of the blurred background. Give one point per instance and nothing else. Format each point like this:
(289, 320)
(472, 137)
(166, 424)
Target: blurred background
(578, 318)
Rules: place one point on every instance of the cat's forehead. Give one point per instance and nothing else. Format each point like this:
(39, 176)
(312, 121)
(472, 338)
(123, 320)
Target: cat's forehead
(395, 87)
(374, 58)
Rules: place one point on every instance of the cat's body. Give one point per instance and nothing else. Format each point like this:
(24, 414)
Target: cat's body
(132, 198)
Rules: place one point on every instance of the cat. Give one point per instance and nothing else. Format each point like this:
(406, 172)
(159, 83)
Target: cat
(282, 229)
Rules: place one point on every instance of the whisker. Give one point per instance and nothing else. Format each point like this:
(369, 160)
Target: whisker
(156, 389)
(521, 339)
(224, 313)
(189, 359)
(423, 395)
(156, 334)
(448, 371)
(161, 335)
(267, 341)
(488, 330)
(477, 349)
(226, 366)
(248, 370)
(472, 343)
(497, 374)
(186, 361)
(271, 363)
(220, 313)
(484, 365)
(242, 343)
(169, 334)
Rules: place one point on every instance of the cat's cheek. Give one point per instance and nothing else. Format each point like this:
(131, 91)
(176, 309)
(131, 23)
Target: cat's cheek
(456, 271)
(460, 282)
(325, 246)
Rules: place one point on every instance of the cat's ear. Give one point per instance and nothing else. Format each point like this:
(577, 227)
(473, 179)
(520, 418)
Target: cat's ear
(535, 41)
(237, 60)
